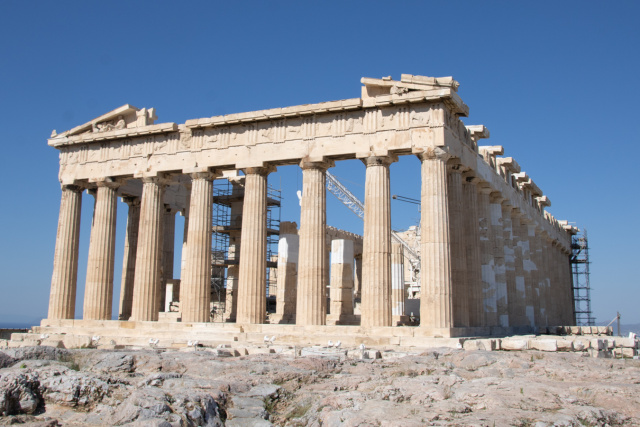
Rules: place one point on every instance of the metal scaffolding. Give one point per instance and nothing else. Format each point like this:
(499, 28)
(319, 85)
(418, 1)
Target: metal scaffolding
(228, 197)
(581, 285)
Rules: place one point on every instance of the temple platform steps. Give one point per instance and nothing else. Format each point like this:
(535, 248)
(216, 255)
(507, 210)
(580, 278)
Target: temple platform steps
(129, 334)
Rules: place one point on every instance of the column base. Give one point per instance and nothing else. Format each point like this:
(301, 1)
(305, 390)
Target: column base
(282, 319)
(343, 319)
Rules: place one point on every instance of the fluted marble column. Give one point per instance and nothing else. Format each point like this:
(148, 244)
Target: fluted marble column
(436, 292)
(486, 239)
(288, 250)
(196, 283)
(235, 240)
(555, 284)
(341, 279)
(311, 303)
(357, 279)
(129, 259)
(98, 294)
(168, 243)
(146, 283)
(529, 268)
(472, 248)
(458, 252)
(567, 278)
(519, 301)
(62, 300)
(543, 280)
(252, 284)
(497, 231)
(534, 250)
(563, 287)
(550, 303)
(397, 279)
(509, 262)
(376, 251)
(185, 235)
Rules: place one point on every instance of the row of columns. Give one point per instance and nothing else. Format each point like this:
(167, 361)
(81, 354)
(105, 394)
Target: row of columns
(481, 264)
(484, 264)
(343, 276)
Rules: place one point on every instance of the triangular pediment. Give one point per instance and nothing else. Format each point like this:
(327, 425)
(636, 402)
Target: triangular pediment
(124, 117)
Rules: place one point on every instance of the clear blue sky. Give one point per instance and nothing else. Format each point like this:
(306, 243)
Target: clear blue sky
(557, 84)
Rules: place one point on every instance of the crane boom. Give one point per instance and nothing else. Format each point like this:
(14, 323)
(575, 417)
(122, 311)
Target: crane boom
(344, 195)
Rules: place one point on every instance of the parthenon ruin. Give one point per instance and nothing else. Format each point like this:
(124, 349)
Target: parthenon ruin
(492, 260)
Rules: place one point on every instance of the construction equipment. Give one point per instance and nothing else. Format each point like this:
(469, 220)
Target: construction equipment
(357, 207)
(581, 285)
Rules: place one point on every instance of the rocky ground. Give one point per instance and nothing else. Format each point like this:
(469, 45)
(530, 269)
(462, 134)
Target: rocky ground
(47, 386)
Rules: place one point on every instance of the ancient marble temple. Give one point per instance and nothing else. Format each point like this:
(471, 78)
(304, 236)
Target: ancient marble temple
(492, 259)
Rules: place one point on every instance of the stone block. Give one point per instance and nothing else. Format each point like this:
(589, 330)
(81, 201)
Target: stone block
(260, 350)
(513, 344)
(565, 344)
(18, 336)
(575, 330)
(324, 353)
(482, 344)
(611, 344)
(581, 345)
(586, 330)
(598, 344)
(626, 342)
(241, 351)
(76, 341)
(544, 345)
(629, 352)
(371, 354)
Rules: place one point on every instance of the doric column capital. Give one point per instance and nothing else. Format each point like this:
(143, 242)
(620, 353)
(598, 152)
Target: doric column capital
(379, 160)
(209, 176)
(169, 209)
(516, 212)
(484, 187)
(260, 170)
(160, 180)
(323, 165)
(107, 182)
(469, 177)
(72, 187)
(131, 200)
(434, 153)
(454, 165)
(198, 172)
(496, 197)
